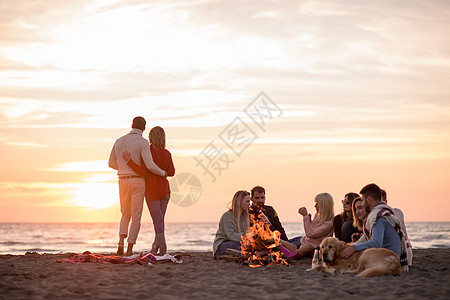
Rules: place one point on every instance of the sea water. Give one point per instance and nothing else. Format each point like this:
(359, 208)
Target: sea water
(19, 238)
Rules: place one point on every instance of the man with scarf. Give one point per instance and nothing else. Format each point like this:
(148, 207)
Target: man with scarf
(381, 228)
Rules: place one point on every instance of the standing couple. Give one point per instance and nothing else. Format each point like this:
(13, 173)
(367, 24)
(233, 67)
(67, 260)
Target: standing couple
(142, 170)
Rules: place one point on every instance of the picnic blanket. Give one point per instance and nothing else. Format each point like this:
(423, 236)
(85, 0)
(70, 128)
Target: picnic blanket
(141, 259)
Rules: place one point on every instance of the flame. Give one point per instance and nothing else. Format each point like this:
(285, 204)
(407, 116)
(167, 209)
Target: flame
(260, 244)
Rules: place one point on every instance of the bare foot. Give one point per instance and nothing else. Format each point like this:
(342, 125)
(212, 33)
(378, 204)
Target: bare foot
(120, 250)
(129, 250)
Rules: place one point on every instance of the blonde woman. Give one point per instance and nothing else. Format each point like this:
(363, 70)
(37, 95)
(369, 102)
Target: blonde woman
(320, 227)
(232, 225)
(157, 189)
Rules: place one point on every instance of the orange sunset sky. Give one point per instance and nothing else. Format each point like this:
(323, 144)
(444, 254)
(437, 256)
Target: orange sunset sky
(355, 92)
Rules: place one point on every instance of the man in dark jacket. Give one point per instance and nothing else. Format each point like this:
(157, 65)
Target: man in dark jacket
(258, 197)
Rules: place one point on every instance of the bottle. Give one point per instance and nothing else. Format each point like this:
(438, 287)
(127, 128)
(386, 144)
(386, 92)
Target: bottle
(264, 217)
(315, 260)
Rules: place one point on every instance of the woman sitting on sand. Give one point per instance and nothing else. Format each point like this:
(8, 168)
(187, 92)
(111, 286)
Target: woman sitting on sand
(233, 224)
(343, 222)
(359, 216)
(315, 230)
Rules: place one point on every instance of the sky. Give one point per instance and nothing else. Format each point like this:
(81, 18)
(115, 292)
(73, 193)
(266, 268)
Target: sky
(301, 97)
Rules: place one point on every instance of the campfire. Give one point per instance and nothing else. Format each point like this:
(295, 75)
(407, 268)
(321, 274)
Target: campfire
(260, 246)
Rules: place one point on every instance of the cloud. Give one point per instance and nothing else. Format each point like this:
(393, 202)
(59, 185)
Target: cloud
(82, 166)
(273, 42)
(74, 74)
(25, 22)
(42, 193)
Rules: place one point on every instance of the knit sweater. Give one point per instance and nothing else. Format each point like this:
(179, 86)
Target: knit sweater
(315, 231)
(227, 230)
(156, 186)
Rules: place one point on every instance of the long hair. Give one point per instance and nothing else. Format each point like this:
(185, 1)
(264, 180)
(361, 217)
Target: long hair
(350, 197)
(325, 207)
(238, 213)
(157, 137)
(356, 221)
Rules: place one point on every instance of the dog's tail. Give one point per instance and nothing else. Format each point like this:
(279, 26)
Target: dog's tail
(390, 265)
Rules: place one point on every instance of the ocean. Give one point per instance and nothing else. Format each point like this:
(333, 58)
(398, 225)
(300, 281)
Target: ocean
(19, 238)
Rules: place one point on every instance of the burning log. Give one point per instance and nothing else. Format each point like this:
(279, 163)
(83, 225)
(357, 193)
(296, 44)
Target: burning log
(260, 245)
(269, 242)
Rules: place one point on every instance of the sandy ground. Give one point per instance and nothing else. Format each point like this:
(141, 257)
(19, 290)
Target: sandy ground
(39, 276)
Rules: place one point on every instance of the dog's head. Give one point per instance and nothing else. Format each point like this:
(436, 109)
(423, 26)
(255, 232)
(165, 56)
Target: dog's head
(330, 249)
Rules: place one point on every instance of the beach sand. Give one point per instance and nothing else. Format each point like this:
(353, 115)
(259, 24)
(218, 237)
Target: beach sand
(39, 276)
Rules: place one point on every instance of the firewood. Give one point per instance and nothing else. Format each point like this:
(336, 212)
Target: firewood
(269, 241)
(243, 258)
(262, 253)
(228, 257)
(233, 252)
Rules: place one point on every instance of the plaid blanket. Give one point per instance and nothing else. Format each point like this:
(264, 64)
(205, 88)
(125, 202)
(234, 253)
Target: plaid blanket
(76, 258)
(382, 210)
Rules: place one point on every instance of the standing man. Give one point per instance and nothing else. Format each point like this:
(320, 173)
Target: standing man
(381, 229)
(132, 185)
(258, 197)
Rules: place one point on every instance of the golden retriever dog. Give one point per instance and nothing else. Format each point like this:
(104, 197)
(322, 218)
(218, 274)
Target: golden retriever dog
(372, 261)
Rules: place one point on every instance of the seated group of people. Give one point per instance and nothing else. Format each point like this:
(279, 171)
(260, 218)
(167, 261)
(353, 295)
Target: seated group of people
(365, 222)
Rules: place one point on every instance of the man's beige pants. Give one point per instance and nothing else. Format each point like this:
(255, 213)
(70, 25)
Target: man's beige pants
(131, 192)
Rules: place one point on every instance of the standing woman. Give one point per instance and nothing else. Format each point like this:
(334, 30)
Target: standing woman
(157, 193)
(320, 227)
(232, 225)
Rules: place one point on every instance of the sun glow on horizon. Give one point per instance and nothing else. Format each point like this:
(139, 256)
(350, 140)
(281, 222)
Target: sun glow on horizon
(95, 195)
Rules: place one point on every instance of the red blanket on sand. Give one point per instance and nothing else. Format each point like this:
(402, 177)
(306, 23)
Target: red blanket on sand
(87, 256)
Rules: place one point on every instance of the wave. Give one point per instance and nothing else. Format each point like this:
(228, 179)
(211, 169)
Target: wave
(11, 243)
(440, 246)
(431, 237)
(68, 238)
(199, 242)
